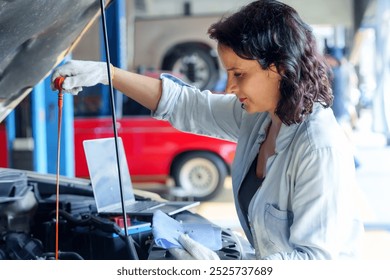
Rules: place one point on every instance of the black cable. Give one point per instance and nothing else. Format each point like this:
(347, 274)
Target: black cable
(129, 239)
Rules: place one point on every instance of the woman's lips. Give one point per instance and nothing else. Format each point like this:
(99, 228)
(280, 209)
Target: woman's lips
(242, 99)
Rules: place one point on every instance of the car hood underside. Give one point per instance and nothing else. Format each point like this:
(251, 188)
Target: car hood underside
(35, 37)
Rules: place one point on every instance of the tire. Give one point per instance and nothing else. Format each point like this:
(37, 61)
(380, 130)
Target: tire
(200, 174)
(196, 64)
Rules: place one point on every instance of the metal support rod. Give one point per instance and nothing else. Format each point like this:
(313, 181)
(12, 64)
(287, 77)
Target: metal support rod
(129, 239)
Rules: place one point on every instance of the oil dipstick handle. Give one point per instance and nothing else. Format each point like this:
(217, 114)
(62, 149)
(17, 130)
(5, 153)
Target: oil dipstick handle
(58, 85)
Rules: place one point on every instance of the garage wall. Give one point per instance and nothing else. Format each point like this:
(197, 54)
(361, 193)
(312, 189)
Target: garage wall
(336, 13)
(333, 12)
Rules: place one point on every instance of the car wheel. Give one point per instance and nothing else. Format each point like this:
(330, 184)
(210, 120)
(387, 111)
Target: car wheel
(201, 174)
(196, 64)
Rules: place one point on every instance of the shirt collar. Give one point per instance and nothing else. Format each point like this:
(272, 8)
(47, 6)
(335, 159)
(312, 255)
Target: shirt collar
(287, 133)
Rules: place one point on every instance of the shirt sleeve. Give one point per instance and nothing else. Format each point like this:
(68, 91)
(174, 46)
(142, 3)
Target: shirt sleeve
(200, 112)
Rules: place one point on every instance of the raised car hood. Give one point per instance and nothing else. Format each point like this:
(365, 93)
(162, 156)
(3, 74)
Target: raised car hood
(34, 37)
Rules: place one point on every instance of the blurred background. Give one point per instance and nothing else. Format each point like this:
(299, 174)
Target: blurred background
(154, 36)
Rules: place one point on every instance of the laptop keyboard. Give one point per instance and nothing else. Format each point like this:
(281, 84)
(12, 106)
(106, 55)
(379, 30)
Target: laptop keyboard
(141, 205)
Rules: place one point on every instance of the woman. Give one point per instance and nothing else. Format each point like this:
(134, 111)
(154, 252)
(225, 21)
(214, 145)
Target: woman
(293, 173)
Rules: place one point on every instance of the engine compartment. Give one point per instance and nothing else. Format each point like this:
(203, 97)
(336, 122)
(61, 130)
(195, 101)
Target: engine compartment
(28, 224)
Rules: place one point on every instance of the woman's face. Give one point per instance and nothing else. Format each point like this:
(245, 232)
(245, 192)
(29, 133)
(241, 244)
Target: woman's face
(256, 88)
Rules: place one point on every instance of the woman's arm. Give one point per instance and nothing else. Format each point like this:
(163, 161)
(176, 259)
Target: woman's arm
(168, 98)
(201, 112)
(80, 73)
(145, 90)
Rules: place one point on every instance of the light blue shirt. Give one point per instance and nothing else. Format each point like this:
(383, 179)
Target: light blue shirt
(306, 207)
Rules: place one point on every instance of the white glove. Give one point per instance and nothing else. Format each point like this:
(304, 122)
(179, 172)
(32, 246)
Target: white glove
(79, 73)
(192, 250)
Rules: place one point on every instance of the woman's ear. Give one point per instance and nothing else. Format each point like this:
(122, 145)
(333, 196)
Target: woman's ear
(273, 72)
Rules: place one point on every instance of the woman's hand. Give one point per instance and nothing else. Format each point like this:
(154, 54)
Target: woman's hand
(192, 250)
(79, 74)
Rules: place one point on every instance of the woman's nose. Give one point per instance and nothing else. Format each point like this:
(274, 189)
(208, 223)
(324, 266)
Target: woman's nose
(230, 87)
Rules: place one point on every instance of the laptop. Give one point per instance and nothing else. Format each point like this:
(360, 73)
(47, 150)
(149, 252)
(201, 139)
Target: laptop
(103, 170)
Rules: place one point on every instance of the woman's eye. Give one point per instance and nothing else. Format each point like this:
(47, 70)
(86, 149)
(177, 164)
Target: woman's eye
(237, 74)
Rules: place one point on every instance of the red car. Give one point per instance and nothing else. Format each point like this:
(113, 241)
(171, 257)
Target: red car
(155, 151)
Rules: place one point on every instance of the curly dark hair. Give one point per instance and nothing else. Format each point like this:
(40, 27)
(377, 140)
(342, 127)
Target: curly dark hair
(273, 33)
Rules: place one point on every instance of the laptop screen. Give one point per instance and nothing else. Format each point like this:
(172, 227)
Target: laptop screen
(103, 172)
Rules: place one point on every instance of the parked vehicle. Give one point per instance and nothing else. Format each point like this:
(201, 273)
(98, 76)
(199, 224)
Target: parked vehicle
(187, 51)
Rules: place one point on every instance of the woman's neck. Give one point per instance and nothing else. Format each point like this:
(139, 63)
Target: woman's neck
(274, 126)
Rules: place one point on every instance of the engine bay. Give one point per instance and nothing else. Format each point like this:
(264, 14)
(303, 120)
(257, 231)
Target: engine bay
(28, 224)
